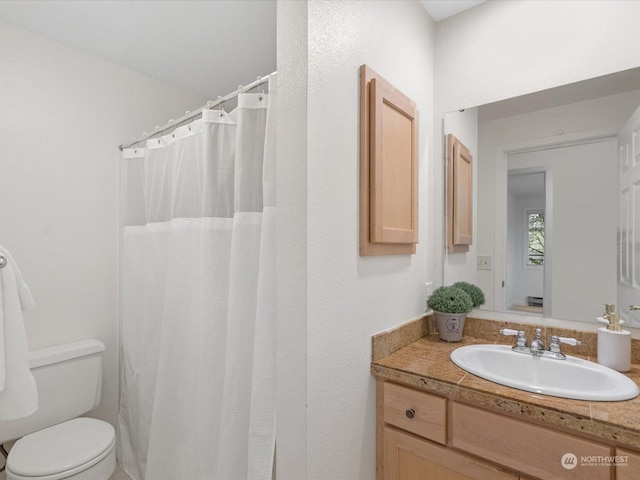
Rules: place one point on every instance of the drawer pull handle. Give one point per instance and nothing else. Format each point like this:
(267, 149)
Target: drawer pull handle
(410, 413)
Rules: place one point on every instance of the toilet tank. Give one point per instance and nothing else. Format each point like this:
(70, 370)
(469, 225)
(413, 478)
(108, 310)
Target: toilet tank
(69, 380)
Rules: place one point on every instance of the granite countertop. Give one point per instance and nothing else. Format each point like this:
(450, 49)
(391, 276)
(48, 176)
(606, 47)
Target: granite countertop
(425, 364)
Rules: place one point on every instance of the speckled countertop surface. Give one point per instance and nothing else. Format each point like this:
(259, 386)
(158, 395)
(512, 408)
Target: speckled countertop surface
(425, 364)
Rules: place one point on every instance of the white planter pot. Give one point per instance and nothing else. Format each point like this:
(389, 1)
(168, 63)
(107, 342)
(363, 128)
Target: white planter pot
(450, 325)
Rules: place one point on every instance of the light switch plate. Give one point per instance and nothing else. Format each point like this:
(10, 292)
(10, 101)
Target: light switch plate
(484, 262)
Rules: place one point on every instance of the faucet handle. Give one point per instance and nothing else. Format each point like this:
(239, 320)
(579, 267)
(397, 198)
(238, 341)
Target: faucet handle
(521, 342)
(508, 331)
(554, 346)
(568, 340)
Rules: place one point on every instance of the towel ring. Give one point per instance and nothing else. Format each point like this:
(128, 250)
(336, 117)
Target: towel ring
(3, 261)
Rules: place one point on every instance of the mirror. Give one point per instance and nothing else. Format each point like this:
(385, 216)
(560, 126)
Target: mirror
(548, 200)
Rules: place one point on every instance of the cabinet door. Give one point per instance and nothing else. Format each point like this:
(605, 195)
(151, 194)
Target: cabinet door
(407, 457)
(629, 466)
(531, 449)
(459, 196)
(388, 168)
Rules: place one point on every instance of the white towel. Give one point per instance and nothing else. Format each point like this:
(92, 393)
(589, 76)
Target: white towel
(18, 393)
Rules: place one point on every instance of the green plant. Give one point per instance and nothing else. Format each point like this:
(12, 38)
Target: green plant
(474, 292)
(450, 300)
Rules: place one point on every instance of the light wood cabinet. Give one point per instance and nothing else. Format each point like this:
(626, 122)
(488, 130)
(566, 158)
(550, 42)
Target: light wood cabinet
(417, 412)
(531, 449)
(408, 457)
(629, 469)
(426, 436)
(388, 168)
(459, 196)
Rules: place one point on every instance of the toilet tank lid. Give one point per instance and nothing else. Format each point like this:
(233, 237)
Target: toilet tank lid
(67, 351)
(61, 448)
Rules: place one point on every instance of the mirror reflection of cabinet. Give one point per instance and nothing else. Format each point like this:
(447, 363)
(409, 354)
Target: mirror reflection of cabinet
(459, 196)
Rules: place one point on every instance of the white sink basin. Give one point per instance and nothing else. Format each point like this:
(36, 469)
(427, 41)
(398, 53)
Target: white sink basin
(571, 378)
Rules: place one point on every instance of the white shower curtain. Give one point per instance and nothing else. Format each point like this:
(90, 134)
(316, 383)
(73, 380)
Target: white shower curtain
(198, 299)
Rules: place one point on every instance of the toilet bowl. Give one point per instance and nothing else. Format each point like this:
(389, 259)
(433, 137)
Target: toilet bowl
(57, 442)
(80, 449)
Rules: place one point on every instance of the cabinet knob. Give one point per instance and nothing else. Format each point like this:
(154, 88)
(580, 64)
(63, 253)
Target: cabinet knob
(410, 413)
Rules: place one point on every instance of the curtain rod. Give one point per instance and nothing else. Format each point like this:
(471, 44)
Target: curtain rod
(189, 115)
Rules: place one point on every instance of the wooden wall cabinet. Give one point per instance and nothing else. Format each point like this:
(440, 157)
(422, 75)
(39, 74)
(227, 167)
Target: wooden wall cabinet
(459, 196)
(388, 168)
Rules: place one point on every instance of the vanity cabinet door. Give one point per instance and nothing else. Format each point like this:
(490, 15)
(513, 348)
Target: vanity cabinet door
(630, 470)
(531, 449)
(407, 457)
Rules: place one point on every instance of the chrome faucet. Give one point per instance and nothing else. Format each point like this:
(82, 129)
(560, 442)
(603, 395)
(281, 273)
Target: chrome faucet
(554, 348)
(537, 345)
(521, 342)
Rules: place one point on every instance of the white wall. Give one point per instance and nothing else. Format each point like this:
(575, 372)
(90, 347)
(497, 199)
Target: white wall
(63, 115)
(498, 50)
(461, 266)
(348, 298)
(512, 248)
(291, 243)
(522, 281)
(585, 226)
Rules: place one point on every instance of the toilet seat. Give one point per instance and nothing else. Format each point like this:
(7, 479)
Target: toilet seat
(61, 451)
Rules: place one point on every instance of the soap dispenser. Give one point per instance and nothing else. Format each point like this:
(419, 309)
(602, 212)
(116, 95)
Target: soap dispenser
(614, 344)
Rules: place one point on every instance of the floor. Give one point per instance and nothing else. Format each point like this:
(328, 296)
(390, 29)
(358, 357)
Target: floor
(117, 475)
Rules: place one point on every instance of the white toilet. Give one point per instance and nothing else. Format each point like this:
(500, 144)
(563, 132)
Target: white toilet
(56, 443)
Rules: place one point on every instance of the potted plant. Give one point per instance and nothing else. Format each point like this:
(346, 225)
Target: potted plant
(450, 306)
(477, 295)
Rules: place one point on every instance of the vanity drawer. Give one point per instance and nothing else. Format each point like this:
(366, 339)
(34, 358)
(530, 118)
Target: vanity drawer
(416, 412)
(524, 447)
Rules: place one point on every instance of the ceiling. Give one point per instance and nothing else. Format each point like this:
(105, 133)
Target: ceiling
(207, 47)
(612, 84)
(441, 9)
(526, 184)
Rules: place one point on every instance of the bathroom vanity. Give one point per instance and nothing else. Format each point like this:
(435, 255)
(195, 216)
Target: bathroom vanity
(434, 420)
